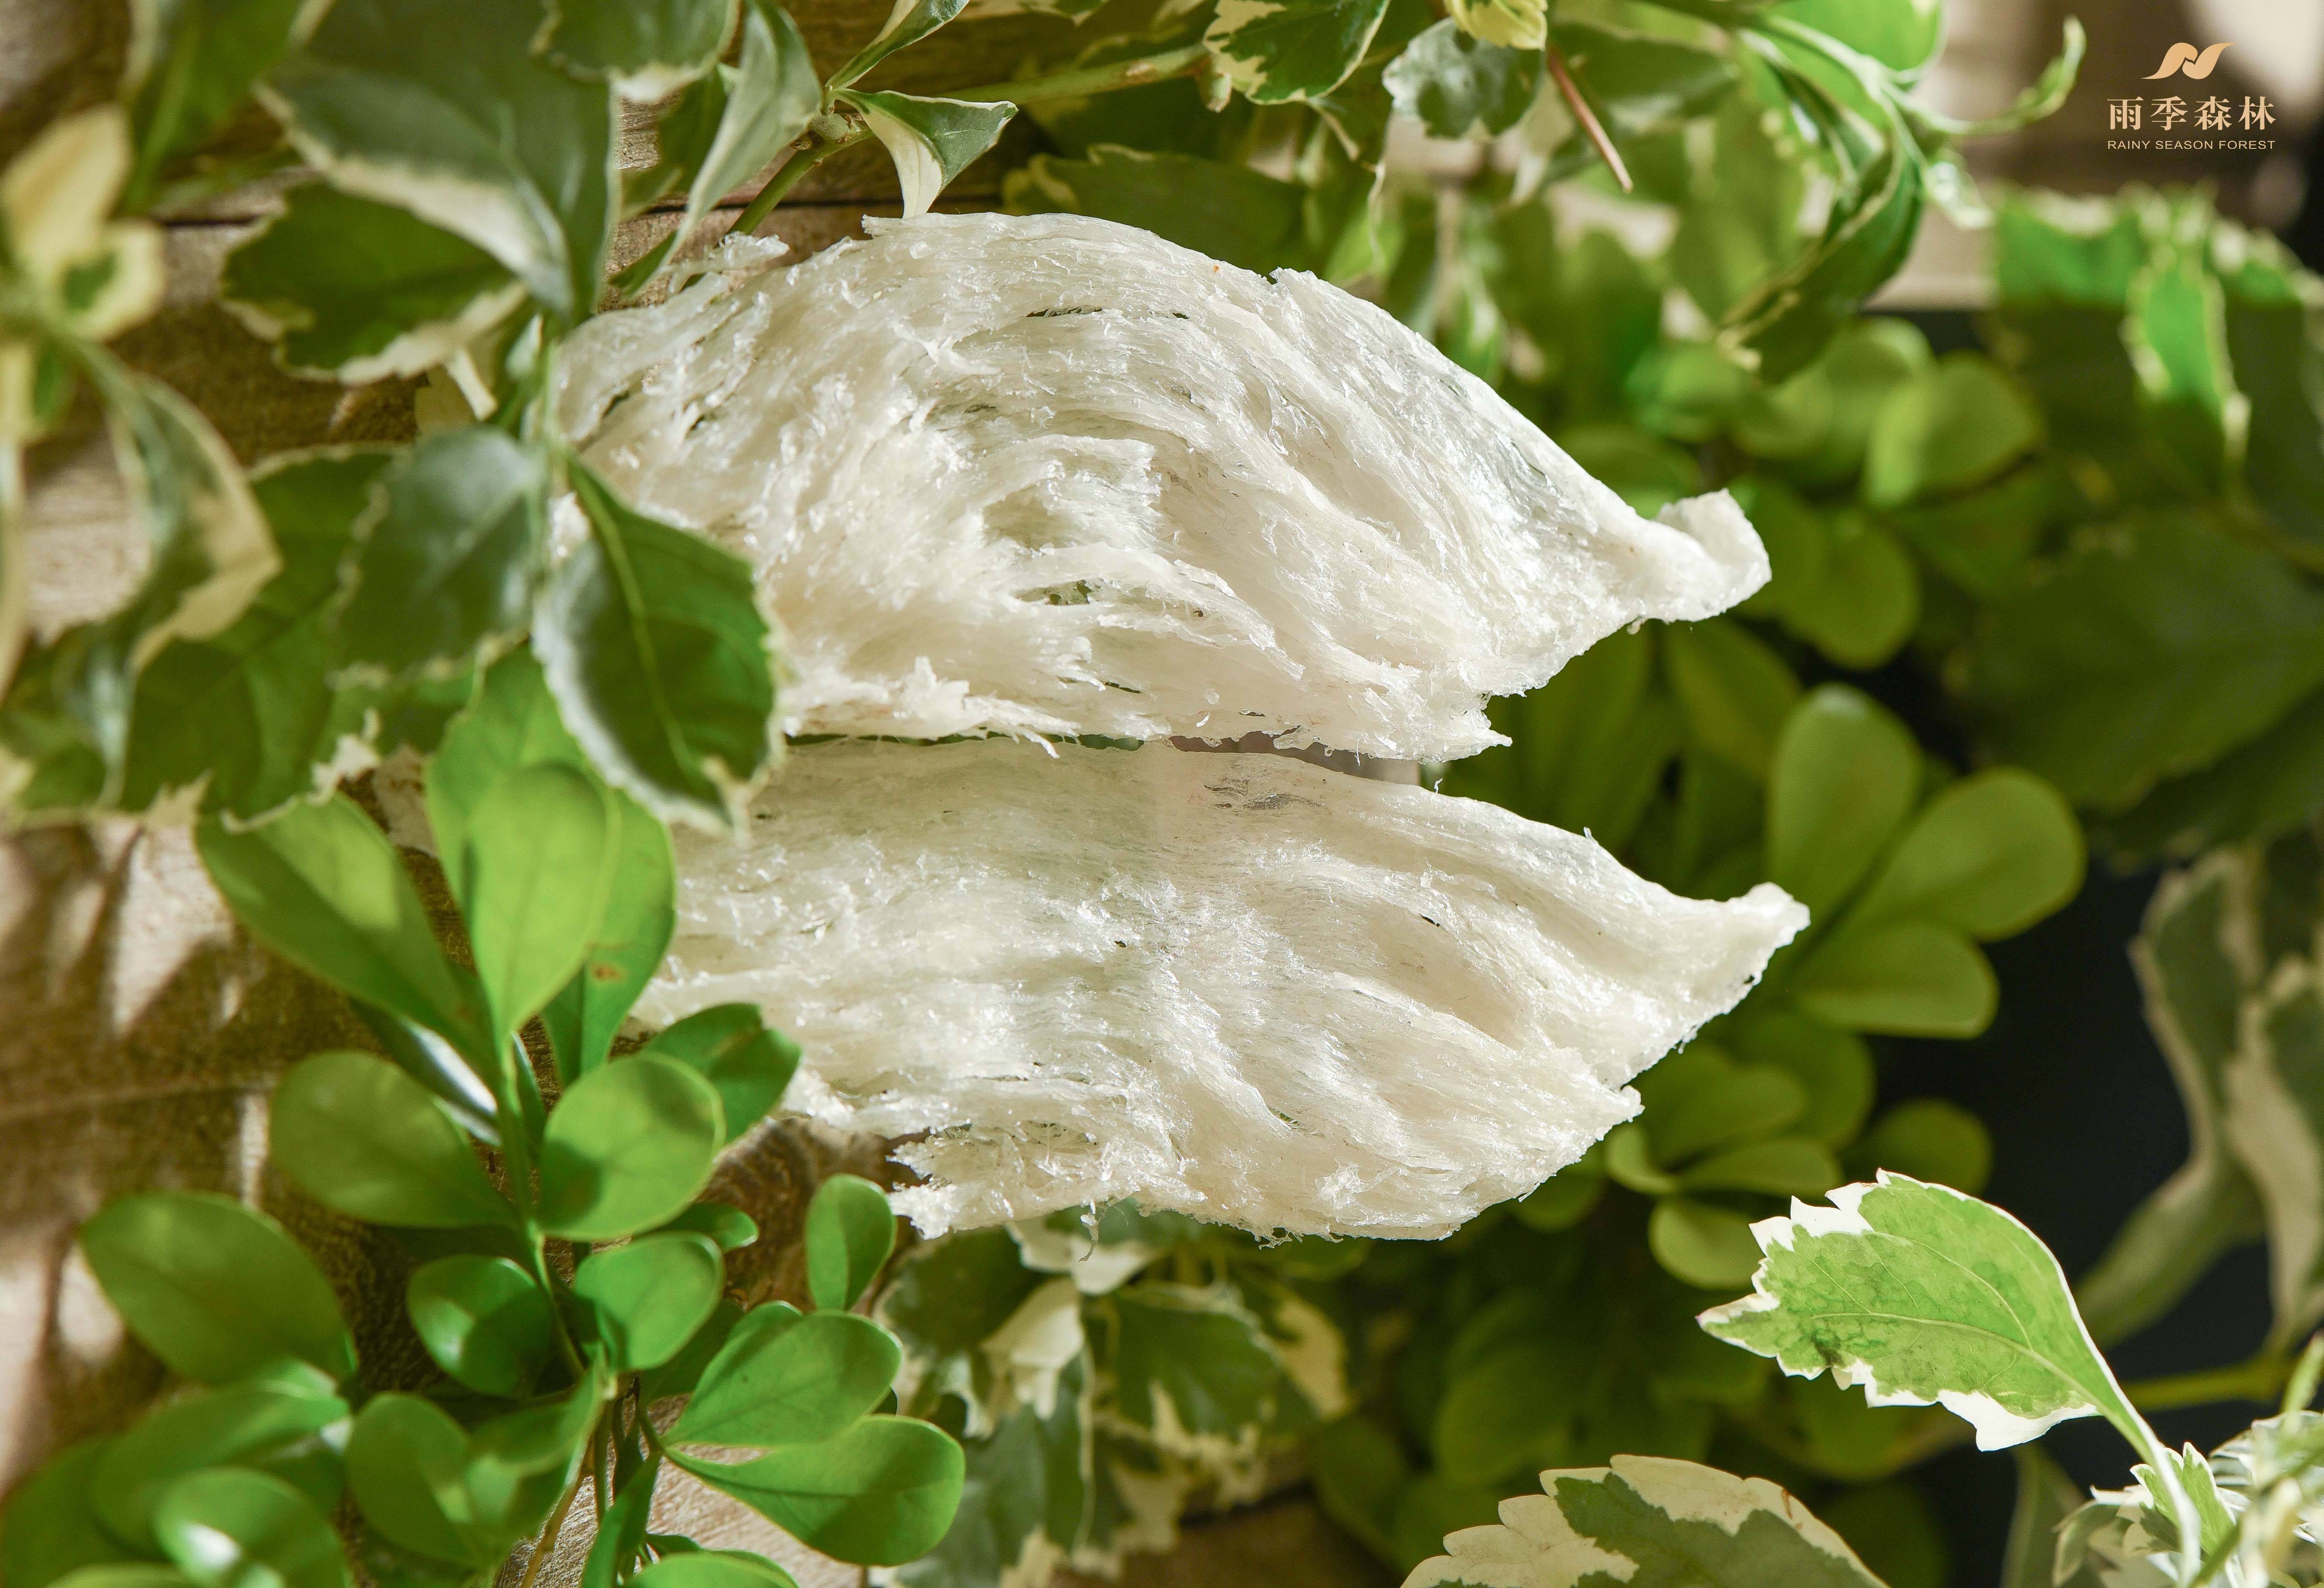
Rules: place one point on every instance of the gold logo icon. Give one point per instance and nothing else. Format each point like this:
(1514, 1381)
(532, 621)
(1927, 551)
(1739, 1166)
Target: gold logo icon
(2188, 60)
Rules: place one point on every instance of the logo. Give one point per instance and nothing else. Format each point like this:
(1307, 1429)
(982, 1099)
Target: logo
(2187, 61)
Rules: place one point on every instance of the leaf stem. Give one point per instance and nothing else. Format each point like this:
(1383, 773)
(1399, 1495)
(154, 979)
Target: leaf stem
(1586, 116)
(549, 1529)
(817, 150)
(2259, 1380)
(1093, 80)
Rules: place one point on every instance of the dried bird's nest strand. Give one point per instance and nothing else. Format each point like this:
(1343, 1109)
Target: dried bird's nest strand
(1240, 986)
(1053, 475)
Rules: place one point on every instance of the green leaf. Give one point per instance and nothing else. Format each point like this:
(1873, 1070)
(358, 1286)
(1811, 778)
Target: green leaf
(784, 1379)
(729, 1228)
(1955, 424)
(532, 878)
(716, 1569)
(1700, 1098)
(2269, 786)
(1832, 1067)
(1226, 210)
(626, 1147)
(2190, 956)
(1359, 1468)
(366, 1140)
(682, 1372)
(1864, 601)
(658, 656)
(648, 50)
(407, 1465)
(1027, 1483)
(730, 1046)
(446, 564)
(931, 141)
(230, 1528)
(1641, 85)
(1930, 1139)
(252, 706)
(215, 1290)
(443, 109)
(1844, 775)
(908, 23)
(1736, 691)
(1787, 1166)
(191, 65)
(2177, 337)
(1793, 316)
(50, 1529)
(850, 1231)
(773, 96)
(1989, 856)
(1649, 1519)
(1517, 24)
(323, 888)
(648, 1296)
(1926, 1296)
(354, 290)
(2276, 1122)
(1903, 978)
(1295, 50)
(2279, 368)
(1901, 34)
(1703, 1245)
(1459, 87)
(2145, 654)
(622, 1532)
(2046, 1497)
(485, 1322)
(632, 933)
(878, 1494)
(292, 1433)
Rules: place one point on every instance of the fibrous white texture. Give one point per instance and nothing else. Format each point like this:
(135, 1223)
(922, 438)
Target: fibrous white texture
(1052, 475)
(1240, 986)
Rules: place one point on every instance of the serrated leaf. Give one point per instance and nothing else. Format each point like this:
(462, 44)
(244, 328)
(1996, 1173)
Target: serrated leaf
(1191, 1366)
(366, 1140)
(879, 1494)
(215, 1290)
(2192, 971)
(1459, 87)
(357, 291)
(658, 656)
(445, 565)
(323, 888)
(1649, 1519)
(2147, 654)
(931, 141)
(646, 50)
(784, 1379)
(253, 707)
(443, 109)
(1922, 1295)
(1275, 50)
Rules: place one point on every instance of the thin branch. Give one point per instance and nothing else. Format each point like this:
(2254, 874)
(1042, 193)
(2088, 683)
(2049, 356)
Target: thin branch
(1587, 117)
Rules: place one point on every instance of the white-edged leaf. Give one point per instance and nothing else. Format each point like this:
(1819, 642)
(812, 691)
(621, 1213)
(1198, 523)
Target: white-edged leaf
(2276, 1122)
(931, 141)
(1457, 86)
(909, 22)
(1275, 50)
(1923, 1297)
(2196, 956)
(358, 290)
(1649, 1519)
(1299, 999)
(772, 95)
(441, 107)
(648, 49)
